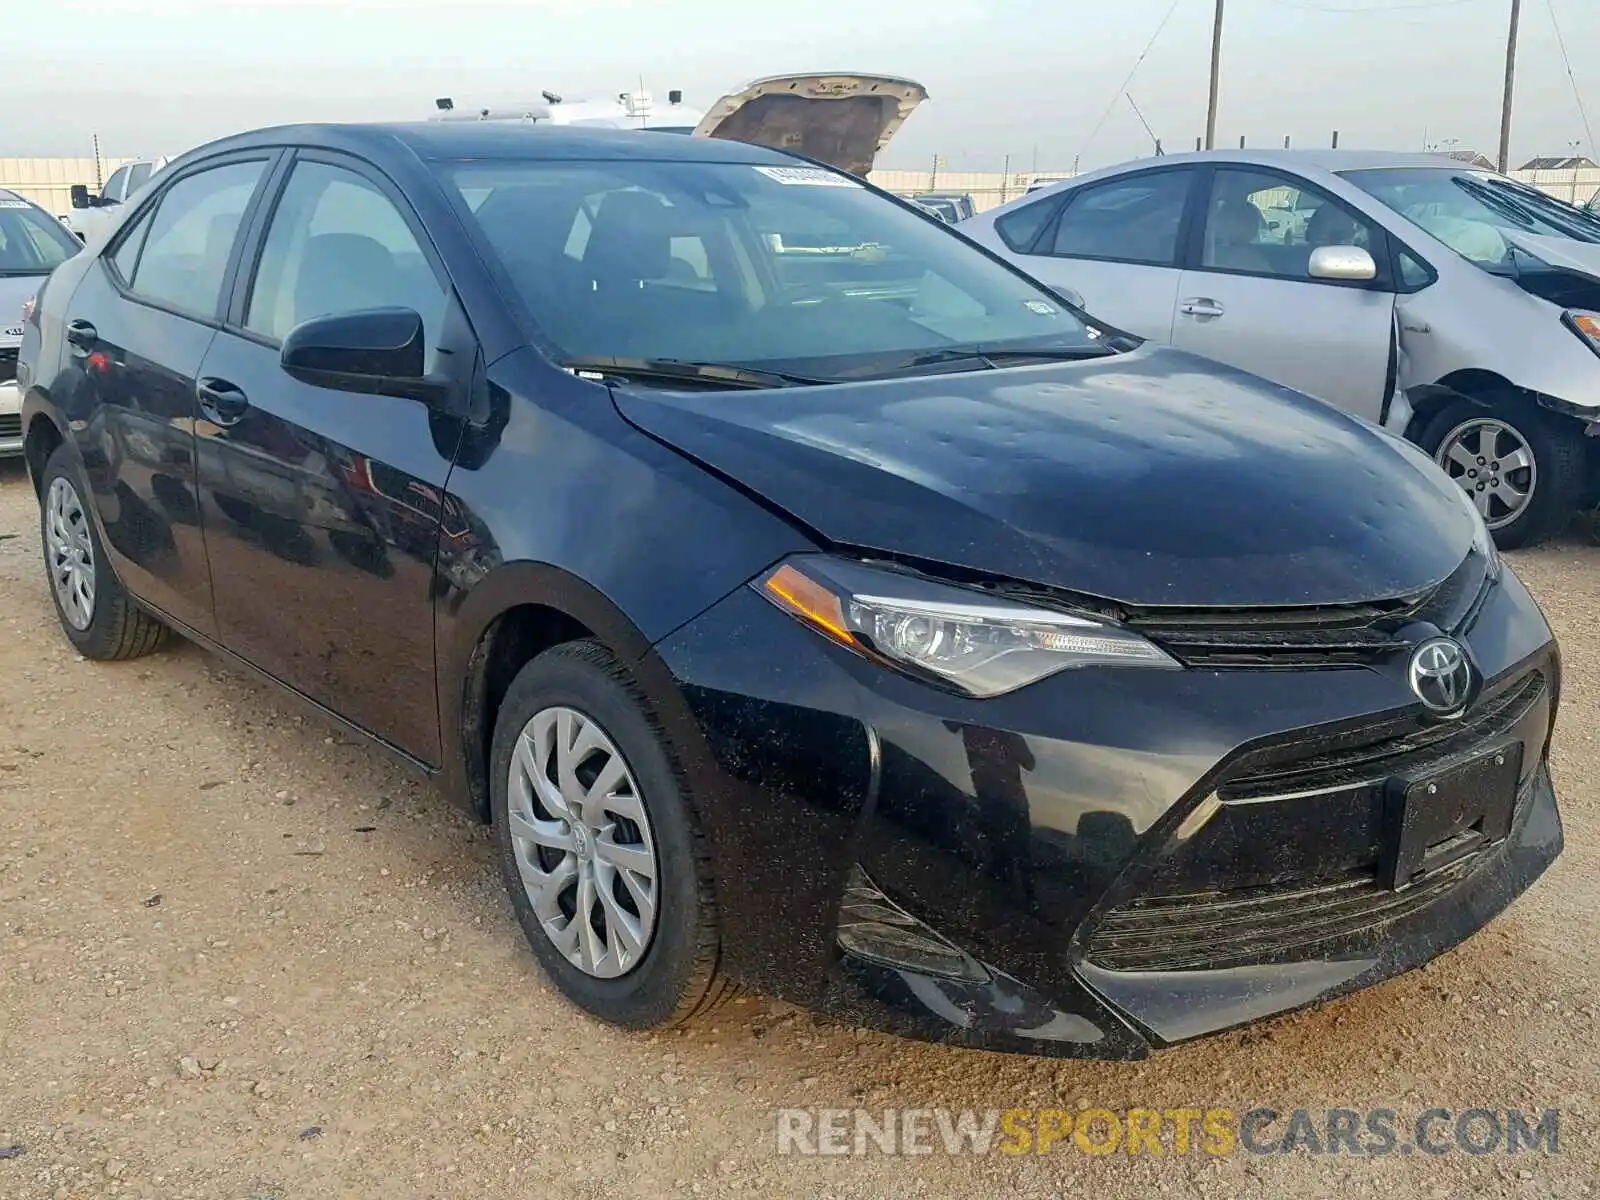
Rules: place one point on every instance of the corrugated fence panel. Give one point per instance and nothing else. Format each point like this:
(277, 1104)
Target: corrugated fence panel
(48, 181)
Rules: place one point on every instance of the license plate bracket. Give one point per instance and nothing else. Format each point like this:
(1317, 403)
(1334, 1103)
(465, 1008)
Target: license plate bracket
(1438, 818)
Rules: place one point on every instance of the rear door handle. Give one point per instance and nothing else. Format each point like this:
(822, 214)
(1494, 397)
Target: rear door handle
(82, 335)
(222, 401)
(1200, 306)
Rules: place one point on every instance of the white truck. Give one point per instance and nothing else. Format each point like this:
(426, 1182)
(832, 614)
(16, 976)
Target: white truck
(91, 212)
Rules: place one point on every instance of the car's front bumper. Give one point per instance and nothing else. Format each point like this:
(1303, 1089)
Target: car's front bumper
(10, 417)
(1022, 828)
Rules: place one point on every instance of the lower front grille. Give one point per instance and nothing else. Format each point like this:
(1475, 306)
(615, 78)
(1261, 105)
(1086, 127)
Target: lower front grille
(10, 425)
(1262, 925)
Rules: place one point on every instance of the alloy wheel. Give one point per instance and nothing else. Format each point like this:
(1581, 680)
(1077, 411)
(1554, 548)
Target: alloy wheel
(1493, 463)
(70, 553)
(583, 843)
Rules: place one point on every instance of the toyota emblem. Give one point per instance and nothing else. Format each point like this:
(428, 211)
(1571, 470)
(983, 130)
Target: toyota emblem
(1440, 675)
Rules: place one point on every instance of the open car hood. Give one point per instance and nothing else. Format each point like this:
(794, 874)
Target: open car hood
(842, 120)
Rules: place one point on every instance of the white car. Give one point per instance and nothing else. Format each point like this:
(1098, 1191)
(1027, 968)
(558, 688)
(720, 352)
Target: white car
(1452, 305)
(91, 213)
(844, 120)
(32, 244)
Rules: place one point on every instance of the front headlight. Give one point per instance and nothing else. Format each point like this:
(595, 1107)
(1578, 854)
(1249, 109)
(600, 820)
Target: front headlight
(1585, 324)
(979, 645)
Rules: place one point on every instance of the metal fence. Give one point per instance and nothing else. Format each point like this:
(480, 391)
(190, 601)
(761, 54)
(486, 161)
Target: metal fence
(48, 181)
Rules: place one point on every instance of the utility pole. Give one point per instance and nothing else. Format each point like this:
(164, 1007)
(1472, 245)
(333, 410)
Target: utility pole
(1216, 75)
(1511, 72)
(1005, 179)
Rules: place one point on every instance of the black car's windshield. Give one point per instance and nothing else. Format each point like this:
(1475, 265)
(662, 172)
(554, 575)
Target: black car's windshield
(793, 269)
(31, 241)
(1470, 211)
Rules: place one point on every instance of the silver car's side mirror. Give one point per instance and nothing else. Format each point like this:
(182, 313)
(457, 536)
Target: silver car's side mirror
(1350, 263)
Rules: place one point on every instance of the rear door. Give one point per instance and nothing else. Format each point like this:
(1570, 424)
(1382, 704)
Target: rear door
(1116, 243)
(1248, 300)
(322, 507)
(138, 327)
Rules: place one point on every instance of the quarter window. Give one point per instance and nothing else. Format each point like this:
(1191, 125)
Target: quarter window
(1134, 219)
(1021, 227)
(337, 244)
(191, 237)
(1262, 224)
(126, 256)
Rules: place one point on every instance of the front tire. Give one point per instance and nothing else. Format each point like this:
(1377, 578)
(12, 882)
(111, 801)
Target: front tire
(1524, 468)
(99, 617)
(601, 853)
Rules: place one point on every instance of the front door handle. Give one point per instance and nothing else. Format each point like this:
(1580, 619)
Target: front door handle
(82, 335)
(222, 401)
(1200, 306)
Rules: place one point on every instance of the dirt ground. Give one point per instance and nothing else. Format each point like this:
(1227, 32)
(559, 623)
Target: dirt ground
(244, 959)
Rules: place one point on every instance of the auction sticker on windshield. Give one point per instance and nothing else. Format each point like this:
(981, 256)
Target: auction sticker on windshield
(807, 177)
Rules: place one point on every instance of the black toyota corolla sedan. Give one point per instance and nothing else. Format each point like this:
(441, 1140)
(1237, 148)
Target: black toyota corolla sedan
(810, 601)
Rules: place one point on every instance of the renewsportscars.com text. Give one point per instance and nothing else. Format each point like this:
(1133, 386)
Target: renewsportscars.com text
(1367, 1133)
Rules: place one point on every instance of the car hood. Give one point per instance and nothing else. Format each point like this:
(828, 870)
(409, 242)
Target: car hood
(14, 291)
(1150, 478)
(843, 120)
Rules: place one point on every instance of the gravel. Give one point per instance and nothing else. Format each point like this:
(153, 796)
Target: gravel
(311, 1011)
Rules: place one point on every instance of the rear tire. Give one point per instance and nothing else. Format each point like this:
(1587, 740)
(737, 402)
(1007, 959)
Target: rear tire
(99, 617)
(675, 976)
(1465, 432)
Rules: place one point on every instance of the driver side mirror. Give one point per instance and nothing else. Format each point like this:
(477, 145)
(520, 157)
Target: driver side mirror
(379, 351)
(1348, 263)
(80, 196)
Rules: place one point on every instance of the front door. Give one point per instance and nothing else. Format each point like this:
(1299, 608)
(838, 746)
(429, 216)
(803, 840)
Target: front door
(157, 288)
(322, 507)
(1249, 301)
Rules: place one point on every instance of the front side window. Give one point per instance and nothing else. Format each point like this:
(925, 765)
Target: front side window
(1133, 219)
(1471, 211)
(191, 236)
(793, 268)
(1266, 224)
(31, 241)
(337, 244)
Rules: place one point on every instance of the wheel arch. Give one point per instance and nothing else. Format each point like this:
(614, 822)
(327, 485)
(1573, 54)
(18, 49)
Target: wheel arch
(39, 442)
(518, 612)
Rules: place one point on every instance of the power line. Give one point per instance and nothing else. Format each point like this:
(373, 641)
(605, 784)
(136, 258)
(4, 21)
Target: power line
(1573, 79)
(1118, 94)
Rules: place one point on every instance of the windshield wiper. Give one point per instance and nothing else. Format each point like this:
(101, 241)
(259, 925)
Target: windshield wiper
(993, 356)
(677, 370)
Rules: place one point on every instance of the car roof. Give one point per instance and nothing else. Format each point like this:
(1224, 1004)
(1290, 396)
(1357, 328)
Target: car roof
(1317, 160)
(503, 140)
(8, 194)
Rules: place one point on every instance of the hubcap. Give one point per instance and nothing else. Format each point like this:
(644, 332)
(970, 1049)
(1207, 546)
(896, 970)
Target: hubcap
(69, 553)
(1494, 465)
(583, 843)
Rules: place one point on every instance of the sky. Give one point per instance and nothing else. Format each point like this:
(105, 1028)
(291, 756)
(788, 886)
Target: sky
(1038, 80)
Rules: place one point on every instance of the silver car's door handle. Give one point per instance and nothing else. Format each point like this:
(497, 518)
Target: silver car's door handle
(1200, 306)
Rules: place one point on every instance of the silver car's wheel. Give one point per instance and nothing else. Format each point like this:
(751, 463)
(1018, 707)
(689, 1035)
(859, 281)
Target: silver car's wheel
(70, 551)
(583, 842)
(1493, 463)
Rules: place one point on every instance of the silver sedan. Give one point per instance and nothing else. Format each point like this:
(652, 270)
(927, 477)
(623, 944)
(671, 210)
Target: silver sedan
(1456, 307)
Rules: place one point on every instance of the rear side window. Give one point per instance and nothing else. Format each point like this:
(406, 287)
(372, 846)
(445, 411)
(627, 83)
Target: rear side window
(1134, 218)
(191, 237)
(1021, 227)
(126, 256)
